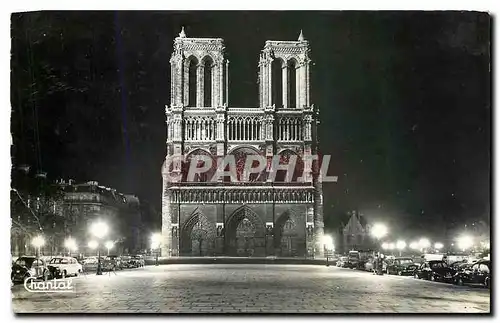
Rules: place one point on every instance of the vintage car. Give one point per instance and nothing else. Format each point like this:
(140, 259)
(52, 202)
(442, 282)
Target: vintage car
(29, 266)
(342, 262)
(64, 266)
(435, 270)
(477, 273)
(112, 263)
(138, 261)
(401, 266)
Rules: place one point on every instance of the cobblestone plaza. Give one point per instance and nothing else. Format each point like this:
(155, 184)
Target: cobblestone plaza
(253, 288)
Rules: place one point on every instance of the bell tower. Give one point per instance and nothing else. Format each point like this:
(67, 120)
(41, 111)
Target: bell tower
(284, 74)
(198, 69)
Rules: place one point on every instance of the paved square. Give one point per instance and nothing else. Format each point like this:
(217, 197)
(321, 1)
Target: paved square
(250, 289)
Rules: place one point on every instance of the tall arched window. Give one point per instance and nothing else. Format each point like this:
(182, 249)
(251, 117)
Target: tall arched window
(292, 84)
(207, 82)
(277, 82)
(193, 65)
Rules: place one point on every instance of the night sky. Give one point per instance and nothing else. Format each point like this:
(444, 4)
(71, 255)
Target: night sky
(404, 98)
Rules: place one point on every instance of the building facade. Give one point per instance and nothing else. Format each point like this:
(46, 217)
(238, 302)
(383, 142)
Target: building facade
(255, 215)
(64, 209)
(356, 233)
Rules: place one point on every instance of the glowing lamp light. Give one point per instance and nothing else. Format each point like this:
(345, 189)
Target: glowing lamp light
(155, 241)
(93, 244)
(70, 244)
(438, 246)
(328, 242)
(414, 245)
(385, 246)
(38, 241)
(465, 242)
(109, 245)
(99, 229)
(379, 230)
(401, 244)
(424, 243)
(391, 246)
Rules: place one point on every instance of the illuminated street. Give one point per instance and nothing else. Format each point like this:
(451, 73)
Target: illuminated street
(253, 288)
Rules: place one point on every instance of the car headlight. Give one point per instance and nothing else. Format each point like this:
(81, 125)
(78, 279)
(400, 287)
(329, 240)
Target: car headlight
(18, 271)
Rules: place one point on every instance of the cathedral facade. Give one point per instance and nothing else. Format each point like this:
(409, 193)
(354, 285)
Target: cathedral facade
(257, 215)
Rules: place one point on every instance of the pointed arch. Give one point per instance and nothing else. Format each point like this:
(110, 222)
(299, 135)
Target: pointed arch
(197, 235)
(192, 74)
(292, 88)
(277, 82)
(208, 80)
(286, 235)
(245, 233)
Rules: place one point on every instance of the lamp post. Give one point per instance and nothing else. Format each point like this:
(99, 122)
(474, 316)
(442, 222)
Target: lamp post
(155, 245)
(378, 231)
(93, 244)
(327, 246)
(465, 242)
(70, 245)
(401, 245)
(99, 230)
(109, 245)
(438, 246)
(424, 243)
(38, 242)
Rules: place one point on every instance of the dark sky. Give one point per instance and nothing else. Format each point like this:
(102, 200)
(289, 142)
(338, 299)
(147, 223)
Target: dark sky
(404, 99)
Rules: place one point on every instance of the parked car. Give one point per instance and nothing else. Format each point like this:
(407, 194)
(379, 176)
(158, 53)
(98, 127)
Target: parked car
(127, 262)
(459, 264)
(29, 266)
(369, 264)
(112, 263)
(401, 266)
(435, 270)
(139, 260)
(64, 266)
(342, 262)
(477, 273)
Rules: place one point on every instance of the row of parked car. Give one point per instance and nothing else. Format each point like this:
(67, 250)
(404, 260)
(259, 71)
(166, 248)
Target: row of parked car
(459, 272)
(60, 267)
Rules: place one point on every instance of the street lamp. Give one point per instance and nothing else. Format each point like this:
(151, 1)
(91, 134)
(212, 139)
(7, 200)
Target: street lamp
(465, 242)
(328, 246)
(99, 230)
(93, 244)
(401, 245)
(38, 242)
(155, 245)
(414, 245)
(379, 231)
(385, 246)
(70, 244)
(424, 243)
(109, 245)
(438, 246)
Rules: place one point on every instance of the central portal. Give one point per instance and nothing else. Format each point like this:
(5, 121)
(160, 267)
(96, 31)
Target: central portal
(245, 234)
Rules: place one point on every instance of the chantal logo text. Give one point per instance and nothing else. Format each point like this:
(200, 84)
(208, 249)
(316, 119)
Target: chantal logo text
(52, 286)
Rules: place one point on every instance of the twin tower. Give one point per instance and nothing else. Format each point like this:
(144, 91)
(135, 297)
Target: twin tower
(257, 216)
(199, 73)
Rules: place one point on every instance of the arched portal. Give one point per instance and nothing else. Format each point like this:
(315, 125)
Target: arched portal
(197, 237)
(245, 234)
(287, 240)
